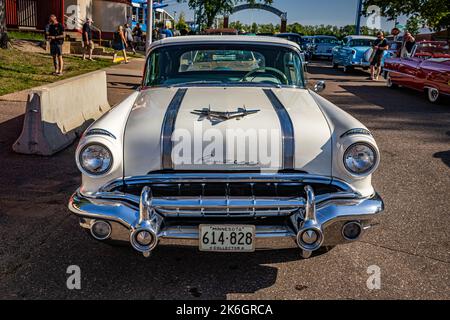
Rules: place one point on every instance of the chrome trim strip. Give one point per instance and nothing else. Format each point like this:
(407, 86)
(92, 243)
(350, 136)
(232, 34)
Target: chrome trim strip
(99, 132)
(191, 232)
(203, 177)
(287, 129)
(400, 73)
(168, 127)
(357, 131)
(188, 203)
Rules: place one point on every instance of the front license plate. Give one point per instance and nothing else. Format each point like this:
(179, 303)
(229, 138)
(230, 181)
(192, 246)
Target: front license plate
(227, 238)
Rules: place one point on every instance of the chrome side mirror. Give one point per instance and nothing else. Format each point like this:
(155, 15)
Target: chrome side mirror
(320, 86)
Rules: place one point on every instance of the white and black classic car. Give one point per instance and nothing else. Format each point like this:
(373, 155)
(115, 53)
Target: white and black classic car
(224, 147)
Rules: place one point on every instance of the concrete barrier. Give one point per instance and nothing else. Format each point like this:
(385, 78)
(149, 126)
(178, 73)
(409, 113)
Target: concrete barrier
(56, 114)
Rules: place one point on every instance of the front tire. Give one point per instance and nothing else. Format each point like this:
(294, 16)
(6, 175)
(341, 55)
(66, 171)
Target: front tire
(335, 65)
(433, 95)
(389, 82)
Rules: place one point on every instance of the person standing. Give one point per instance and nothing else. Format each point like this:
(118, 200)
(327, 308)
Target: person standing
(129, 36)
(120, 43)
(408, 45)
(137, 33)
(380, 45)
(396, 33)
(56, 36)
(88, 43)
(164, 31)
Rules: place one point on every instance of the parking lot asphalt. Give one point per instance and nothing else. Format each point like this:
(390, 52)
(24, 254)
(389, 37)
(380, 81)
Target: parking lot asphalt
(40, 239)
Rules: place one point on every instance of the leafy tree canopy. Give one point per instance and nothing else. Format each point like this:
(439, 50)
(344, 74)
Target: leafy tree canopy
(207, 10)
(181, 24)
(434, 13)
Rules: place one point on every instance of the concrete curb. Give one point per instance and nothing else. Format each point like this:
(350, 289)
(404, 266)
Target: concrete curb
(56, 114)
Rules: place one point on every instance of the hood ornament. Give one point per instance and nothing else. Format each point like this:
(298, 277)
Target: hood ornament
(220, 116)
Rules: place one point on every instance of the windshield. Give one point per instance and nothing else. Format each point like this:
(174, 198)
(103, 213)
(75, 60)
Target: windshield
(433, 50)
(361, 43)
(305, 40)
(224, 64)
(326, 40)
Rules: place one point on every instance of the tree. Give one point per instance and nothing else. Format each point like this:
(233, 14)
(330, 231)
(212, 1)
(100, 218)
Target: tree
(414, 24)
(206, 11)
(3, 33)
(254, 28)
(434, 13)
(181, 24)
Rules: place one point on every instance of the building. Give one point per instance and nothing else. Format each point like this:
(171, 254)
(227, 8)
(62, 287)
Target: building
(33, 14)
(139, 14)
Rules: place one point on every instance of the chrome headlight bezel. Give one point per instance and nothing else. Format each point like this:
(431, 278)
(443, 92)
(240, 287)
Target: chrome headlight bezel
(367, 171)
(87, 170)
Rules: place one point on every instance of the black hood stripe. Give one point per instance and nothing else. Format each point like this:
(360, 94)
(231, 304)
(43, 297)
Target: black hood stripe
(287, 130)
(168, 128)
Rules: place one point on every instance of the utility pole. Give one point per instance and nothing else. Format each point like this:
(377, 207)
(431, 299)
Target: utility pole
(358, 17)
(149, 24)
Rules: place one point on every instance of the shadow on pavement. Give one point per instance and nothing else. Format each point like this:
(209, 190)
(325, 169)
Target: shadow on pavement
(444, 156)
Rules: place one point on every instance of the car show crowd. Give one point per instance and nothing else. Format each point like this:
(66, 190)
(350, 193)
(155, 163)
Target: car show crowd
(394, 56)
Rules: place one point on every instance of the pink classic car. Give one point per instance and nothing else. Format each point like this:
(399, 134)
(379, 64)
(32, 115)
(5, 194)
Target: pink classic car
(427, 70)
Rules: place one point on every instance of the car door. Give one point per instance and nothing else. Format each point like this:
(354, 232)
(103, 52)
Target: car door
(409, 70)
(436, 74)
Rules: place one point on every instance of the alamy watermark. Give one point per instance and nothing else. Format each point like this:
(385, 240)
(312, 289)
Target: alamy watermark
(74, 280)
(374, 280)
(261, 148)
(374, 17)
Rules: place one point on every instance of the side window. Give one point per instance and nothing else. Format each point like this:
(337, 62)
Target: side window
(293, 68)
(151, 78)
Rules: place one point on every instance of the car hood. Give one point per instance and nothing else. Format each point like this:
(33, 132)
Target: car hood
(169, 129)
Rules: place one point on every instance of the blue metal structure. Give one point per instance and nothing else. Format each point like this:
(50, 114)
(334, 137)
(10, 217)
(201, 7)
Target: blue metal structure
(140, 12)
(358, 17)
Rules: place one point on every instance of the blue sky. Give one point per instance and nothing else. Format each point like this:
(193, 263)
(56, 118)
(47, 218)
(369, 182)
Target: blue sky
(307, 12)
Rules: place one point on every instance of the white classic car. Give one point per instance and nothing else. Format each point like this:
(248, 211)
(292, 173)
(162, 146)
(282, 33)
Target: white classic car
(224, 147)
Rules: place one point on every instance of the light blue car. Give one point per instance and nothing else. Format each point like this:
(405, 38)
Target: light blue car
(355, 52)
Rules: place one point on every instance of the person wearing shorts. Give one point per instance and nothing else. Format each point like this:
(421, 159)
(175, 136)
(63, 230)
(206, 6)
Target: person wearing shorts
(379, 46)
(120, 44)
(56, 37)
(88, 43)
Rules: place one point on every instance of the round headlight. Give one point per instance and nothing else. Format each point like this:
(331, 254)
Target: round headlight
(96, 159)
(360, 158)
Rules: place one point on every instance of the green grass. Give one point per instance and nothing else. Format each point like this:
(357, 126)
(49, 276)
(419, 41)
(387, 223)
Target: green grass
(23, 70)
(23, 35)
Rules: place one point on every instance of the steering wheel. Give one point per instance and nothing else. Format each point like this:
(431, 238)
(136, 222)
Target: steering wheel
(275, 72)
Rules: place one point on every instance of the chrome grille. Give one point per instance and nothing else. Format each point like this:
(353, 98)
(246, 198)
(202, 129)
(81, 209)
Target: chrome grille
(200, 196)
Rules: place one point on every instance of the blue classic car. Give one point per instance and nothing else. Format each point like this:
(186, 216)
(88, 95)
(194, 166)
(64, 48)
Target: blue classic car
(322, 46)
(302, 41)
(355, 52)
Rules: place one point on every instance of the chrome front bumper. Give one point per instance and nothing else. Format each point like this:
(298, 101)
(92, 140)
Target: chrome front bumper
(360, 64)
(324, 215)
